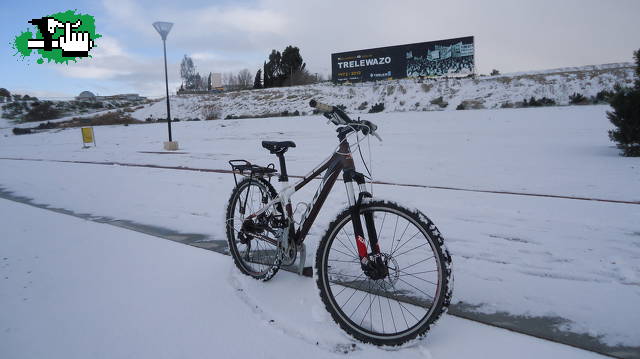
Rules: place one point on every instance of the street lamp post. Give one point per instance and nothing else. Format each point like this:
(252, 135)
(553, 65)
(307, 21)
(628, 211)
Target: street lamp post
(163, 29)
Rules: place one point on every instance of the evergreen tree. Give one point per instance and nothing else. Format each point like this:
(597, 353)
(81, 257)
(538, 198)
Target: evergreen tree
(188, 73)
(274, 69)
(266, 82)
(291, 64)
(257, 82)
(636, 54)
(285, 69)
(626, 115)
(209, 82)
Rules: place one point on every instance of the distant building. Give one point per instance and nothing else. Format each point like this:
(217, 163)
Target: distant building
(125, 97)
(86, 96)
(122, 97)
(89, 96)
(216, 80)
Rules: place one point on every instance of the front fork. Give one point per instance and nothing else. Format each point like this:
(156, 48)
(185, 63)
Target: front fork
(371, 261)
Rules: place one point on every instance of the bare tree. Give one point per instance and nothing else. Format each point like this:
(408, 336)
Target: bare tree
(229, 79)
(245, 79)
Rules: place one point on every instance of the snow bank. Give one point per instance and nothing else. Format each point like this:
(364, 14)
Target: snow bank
(407, 94)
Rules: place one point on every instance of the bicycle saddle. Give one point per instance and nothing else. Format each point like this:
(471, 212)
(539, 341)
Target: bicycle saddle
(277, 147)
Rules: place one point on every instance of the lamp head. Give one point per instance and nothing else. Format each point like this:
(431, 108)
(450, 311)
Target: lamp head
(163, 28)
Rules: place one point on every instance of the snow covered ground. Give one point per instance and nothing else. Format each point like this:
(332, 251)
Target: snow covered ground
(532, 256)
(76, 289)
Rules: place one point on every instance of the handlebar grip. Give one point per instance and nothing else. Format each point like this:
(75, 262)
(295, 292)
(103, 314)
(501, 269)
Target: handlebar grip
(320, 106)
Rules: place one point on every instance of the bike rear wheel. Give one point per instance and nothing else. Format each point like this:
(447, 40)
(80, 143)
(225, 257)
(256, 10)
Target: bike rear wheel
(254, 257)
(403, 305)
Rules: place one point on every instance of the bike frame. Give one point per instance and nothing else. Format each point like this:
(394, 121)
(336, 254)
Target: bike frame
(340, 161)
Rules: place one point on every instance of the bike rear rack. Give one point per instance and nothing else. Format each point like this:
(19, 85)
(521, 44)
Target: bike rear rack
(247, 169)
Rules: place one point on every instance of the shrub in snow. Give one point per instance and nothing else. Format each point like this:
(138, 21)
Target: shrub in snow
(626, 115)
(211, 112)
(363, 106)
(507, 105)
(470, 105)
(12, 110)
(21, 131)
(602, 96)
(533, 102)
(440, 102)
(44, 111)
(577, 99)
(379, 107)
(390, 90)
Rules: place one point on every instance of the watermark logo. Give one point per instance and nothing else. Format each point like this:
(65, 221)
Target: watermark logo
(59, 38)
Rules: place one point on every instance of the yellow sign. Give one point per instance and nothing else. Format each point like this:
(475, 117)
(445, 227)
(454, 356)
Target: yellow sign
(87, 135)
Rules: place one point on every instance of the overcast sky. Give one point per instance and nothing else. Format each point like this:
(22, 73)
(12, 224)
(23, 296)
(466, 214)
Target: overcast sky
(222, 36)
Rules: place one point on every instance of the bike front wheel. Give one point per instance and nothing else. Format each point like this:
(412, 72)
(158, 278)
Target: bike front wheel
(409, 299)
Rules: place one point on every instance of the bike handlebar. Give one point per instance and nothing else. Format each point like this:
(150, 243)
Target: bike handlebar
(339, 117)
(321, 106)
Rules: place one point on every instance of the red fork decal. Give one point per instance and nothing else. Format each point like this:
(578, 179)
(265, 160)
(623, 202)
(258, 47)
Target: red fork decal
(362, 246)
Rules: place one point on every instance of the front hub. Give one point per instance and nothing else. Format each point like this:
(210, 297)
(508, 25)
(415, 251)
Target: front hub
(375, 266)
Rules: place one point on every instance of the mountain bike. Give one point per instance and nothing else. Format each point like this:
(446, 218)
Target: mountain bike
(383, 271)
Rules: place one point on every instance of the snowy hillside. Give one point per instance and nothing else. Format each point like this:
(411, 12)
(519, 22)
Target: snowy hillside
(407, 94)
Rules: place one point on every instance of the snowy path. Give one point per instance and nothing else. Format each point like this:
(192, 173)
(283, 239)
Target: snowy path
(296, 177)
(83, 289)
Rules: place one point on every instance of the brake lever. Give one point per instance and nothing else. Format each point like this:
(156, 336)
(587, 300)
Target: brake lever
(376, 134)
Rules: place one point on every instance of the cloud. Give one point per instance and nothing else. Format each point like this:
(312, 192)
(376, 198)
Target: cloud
(204, 56)
(245, 19)
(234, 35)
(41, 94)
(111, 62)
(230, 27)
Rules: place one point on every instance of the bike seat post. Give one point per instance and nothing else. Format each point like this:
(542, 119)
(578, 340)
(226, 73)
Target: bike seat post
(283, 168)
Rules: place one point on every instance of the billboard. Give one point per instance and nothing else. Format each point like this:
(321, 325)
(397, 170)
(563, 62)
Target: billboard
(451, 57)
